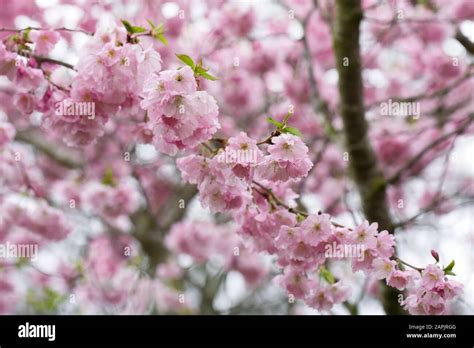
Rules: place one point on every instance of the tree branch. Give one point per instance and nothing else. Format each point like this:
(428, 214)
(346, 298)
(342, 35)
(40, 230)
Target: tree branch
(53, 29)
(41, 59)
(459, 130)
(464, 40)
(59, 154)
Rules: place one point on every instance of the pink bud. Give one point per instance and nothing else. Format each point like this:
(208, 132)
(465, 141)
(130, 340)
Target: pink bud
(435, 255)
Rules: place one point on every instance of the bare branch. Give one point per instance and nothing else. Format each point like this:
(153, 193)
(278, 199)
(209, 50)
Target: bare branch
(408, 165)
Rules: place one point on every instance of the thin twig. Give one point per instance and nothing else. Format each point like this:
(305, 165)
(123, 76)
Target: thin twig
(45, 29)
(397, 176)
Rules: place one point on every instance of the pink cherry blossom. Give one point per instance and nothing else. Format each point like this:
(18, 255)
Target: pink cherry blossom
(365, 235)
(44, 40)
(383, 268)
(7, 133)
(433, 277)
(294, 282)
(8, 62)
(288, 159)
(398, 279)
(316, 229)
(25, 102)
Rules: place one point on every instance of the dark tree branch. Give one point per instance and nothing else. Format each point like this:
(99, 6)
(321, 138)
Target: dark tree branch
(40, 60)
(464, 40)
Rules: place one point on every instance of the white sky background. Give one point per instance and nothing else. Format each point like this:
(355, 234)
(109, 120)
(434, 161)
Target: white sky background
(454, 235)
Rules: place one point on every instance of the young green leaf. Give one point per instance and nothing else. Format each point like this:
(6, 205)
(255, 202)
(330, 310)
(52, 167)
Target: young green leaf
(327, 275)
(274, 122)
(186, 60)
(108, 179)
(199, 70)
(162, 38)
(208, 76)
(292, 130)
(26, 34)
(137, 29)
(158, 32)
(449, 268)
(127, 26)
(132, 29)
(152, 25)
(300, 217)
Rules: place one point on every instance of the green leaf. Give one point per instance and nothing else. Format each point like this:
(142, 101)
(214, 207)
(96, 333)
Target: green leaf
(449, 268)
(152, 25)
(198, 69)
(201, 71)
(292, 130)
(137, 29)
(162, 38)
(26, 34)
(208, 76)
(158, 32)
(449, 273)
(327, 275)
(186, 60)
(127, 26)
(300, 217)
(131, 29)
(274, 122)
(160, 29)
(108, 178)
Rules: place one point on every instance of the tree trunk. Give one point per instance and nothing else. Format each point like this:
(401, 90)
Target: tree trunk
(362, 160)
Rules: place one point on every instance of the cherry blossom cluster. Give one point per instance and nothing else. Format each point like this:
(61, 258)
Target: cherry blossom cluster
(226, 185)
(231, 187)
(32, 88)
(431, 292)
(27, 219)
(300, 242)
(181, 116)
(111, 72)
